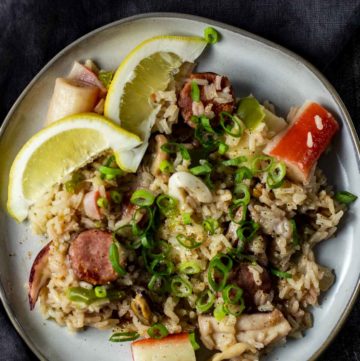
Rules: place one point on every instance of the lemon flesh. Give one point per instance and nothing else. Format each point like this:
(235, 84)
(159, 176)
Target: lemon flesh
(58, 150)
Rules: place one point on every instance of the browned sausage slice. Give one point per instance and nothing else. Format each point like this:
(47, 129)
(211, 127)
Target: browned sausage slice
(215, 82)
(89, 256)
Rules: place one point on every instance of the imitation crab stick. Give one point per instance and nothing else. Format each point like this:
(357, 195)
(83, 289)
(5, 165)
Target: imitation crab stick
(301, 144)
(171, 348)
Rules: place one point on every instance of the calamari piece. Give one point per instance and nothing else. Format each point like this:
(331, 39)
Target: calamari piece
(237, 350)
(39, 275)
(301, 144)
(71, 97)
(171, 348)
(262, 329)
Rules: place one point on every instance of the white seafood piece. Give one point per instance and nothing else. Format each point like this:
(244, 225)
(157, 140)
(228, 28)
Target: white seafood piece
(71, 97)
(236, 350)
(181, 183)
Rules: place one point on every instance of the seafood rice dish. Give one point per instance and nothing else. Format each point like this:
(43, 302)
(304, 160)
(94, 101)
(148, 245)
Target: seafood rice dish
(204, 234)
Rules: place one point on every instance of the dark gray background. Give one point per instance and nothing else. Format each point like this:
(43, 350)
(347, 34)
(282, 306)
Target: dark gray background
(324, 32)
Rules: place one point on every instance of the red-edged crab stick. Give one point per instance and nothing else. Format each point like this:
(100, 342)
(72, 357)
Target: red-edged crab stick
(171, 348)
(301, 144)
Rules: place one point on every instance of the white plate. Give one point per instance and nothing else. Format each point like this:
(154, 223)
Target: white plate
(254, 65)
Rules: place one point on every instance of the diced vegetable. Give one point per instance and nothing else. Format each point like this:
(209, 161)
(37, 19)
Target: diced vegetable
(250, 112)
(171, 348)
(303, 142)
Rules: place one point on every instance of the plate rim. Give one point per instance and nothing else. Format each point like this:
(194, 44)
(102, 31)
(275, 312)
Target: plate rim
(310, 67)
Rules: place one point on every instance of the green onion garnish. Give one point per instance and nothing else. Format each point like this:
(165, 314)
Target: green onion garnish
(147, 240)
(110, 173)
(205, 301)
(142, 197)
(219, 312)
(148, 218)
(246, 232)
(114, 259)
(116, 197)
(250, 112)
(102, 202)
(205, 122)
(195, 91)
(345, 197)
(257, 164)
(126, 238)
(204, 168)
(186, 218)
(234, 162)
(72, 185)
(166, 167)
(235, 310)
(235, 128)
(218, 271)
(180, 287)
(167, 204)
(232, 294)
(276, 175)
(188, 241)
(173, 148)
(124, 336)
(232, 212)
(88, 296)
(161, 250)
(193, 342)
(280, 274)
(223, 148)
(190, 267)
(105, 77)
(295, 234)
(211, 35)
(161, 267)
(210, 225)
(100, 292)
(242, 193)
(243, 173)
(158, 284)
(158, 331)
(206, 139)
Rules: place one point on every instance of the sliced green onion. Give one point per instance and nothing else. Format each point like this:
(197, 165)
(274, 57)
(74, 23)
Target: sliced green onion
(234, 162)
(147, 240)
(242, 194)
(218, 272)
(205, 301)
(110, 173)
(345, 197)
(102, 202)
(126, 238)
(193, 341)
(211, 35)
(204, 168)
(166, 167)
(114, 294)
(167, 204)
(250, 112)
(209, 183)
(280, 274)
(206, 139)
(188, 242)
(246, 232)
(235, 123)
(235, 310)
(80, 294)
(257, 163)
(233, 210)
(219, 312)
(116, 197)
(294, 232)
(173, 148)
(105, 77)
(163, 249)
(223, 148)
(195, 91)
(72, 185)
(190, 267)
(195, 119)
(205, 122)
(114, 259)
(158, 331)
(210, 225)
(232, 294)
(149, 220)
(180, 287)
(100, 292)
(158, 284)
(124, 336)
(186, 218)
(276, 175)
(161, 267)
(142, 197)
(243, 173)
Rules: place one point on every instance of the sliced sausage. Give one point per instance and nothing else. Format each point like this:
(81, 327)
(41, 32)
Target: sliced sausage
(244, 278)
(211, 96)
(89, 256)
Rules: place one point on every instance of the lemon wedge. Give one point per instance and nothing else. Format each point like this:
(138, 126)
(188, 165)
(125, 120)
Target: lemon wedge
(58, 150)
(145, 70)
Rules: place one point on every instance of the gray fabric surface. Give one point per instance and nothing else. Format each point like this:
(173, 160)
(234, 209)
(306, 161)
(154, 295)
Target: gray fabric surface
(324, 32)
